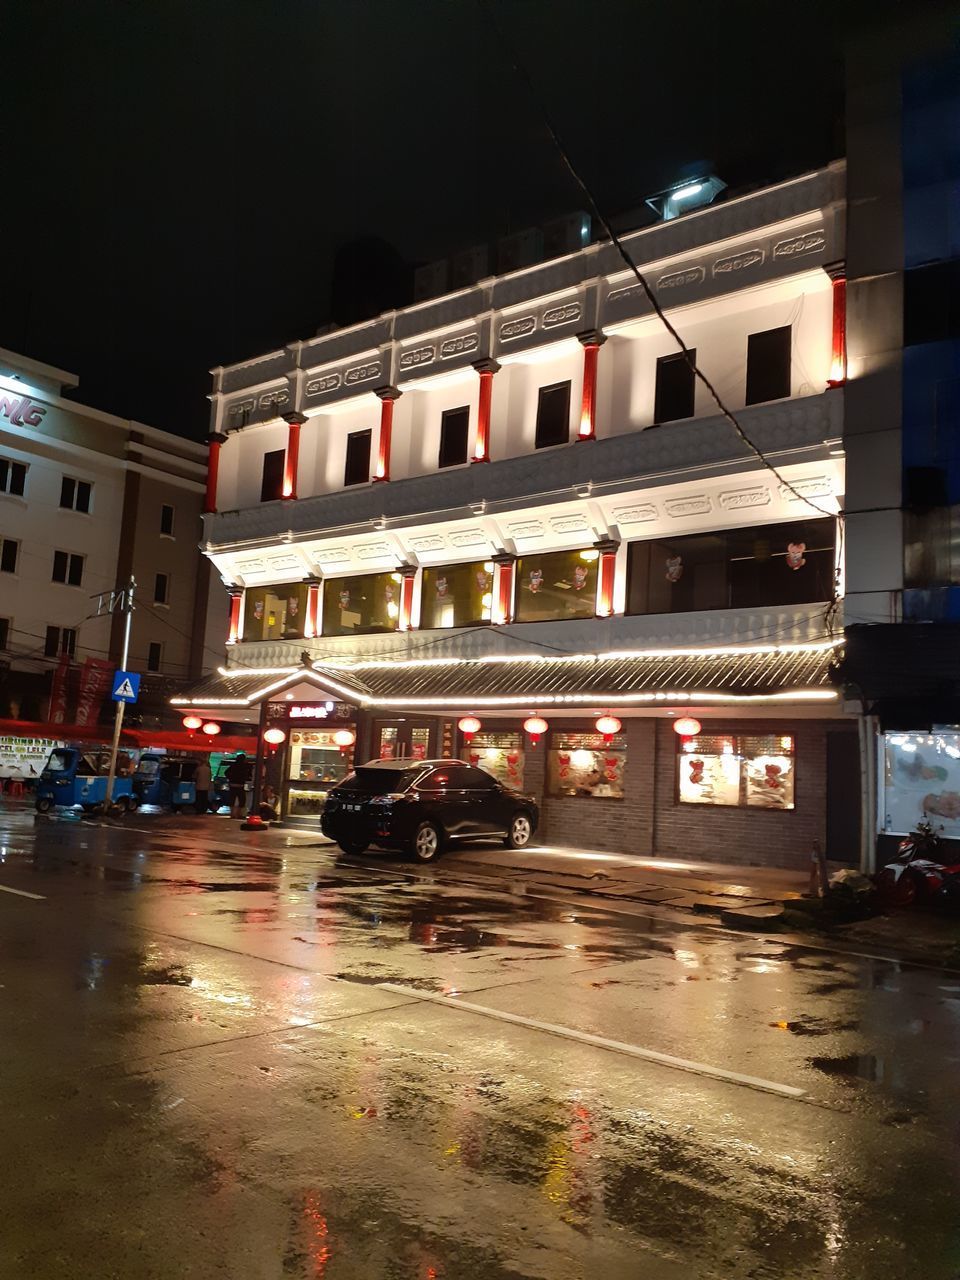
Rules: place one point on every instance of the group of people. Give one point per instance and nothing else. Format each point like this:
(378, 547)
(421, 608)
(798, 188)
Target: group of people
(239, 773)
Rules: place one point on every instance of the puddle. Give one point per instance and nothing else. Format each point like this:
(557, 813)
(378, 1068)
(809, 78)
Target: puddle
(374, 980)
(852, 1066)
(173, 975)
(815, 1026)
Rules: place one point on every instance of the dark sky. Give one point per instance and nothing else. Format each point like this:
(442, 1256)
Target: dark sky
(179, 174)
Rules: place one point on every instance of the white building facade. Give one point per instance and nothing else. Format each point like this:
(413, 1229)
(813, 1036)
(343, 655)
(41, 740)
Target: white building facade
(518, 501)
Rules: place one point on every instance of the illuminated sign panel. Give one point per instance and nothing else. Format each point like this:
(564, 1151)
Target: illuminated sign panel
(21, 412)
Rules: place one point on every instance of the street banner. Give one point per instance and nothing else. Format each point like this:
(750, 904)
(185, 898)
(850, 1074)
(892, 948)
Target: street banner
(58, 691)
(94, 683)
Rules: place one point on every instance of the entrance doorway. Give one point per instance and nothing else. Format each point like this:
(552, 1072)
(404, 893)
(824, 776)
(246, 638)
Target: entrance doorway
(843, 796)
(403, 739)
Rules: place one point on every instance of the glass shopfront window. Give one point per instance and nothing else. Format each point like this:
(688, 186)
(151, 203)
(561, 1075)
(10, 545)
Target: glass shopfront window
(500, 754)
(920, 779)
(356, 606)
(754, 771)
(561, 584)
(275, 613)
(457, 595)
(582, 765)
(316, 765)
(767, 565)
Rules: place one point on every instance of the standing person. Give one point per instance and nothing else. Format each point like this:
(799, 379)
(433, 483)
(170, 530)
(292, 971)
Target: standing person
(201, 782)
(238, 775)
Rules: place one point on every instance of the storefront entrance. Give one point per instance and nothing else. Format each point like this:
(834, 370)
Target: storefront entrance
(315, 753)
(404, 739)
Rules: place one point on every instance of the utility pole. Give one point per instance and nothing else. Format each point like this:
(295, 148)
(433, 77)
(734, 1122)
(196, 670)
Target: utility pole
(121, 601)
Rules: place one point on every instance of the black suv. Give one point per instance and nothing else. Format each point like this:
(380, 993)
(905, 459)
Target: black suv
(419, 806)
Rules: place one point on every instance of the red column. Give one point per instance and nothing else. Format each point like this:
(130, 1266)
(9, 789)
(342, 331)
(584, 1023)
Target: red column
(838, 362)
(406, 597)
(591, 342)
(503, 594)
(294, 423)
(606, 576)
(311, 627)
(214, 443)
(481, 449)
(387, 397)
(236, 596)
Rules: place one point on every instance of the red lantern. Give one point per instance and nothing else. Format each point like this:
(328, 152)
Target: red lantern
(274, 737)
(468, 726)
(608, 726)
(192, 722)
(687, 727)
(211, 729)
(344, 739)
(536, 726)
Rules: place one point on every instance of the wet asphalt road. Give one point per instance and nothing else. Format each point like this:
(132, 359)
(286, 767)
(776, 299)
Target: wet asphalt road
(203, 1075)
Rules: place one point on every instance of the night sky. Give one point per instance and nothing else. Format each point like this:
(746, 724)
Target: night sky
(179, 174)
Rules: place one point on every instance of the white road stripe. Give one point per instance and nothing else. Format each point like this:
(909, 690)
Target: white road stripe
(617, 1046)
(22, 893)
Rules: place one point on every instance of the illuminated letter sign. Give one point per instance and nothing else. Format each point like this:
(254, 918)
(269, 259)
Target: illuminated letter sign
(21, 412)
(311, 711)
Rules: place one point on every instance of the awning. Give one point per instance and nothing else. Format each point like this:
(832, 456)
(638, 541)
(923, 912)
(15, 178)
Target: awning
(736, 675)
(138, 738)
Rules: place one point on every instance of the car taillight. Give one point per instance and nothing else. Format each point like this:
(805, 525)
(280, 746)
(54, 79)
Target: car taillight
(389, 797)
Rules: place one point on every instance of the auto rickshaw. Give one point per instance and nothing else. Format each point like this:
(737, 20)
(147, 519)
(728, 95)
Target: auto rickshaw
(74, 776)
(165, 782)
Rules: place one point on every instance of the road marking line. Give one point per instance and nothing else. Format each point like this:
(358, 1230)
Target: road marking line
(617, 1046)
(22, 893)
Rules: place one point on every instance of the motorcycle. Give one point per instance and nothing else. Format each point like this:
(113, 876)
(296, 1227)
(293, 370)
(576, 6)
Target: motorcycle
(917, 874)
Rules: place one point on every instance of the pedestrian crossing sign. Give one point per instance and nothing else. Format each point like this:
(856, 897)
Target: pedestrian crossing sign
(126, 686)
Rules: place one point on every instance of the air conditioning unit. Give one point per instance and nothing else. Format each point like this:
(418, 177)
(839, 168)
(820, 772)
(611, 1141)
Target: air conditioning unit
(430, 281)
(566, 235)
(520, 250)
(469, 266)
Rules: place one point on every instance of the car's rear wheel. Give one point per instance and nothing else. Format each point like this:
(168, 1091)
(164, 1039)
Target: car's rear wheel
(520, 831)
(426, 843)
(352, 847)
(123, 804)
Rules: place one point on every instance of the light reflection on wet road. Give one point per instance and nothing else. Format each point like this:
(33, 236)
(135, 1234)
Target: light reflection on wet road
(204, 1077)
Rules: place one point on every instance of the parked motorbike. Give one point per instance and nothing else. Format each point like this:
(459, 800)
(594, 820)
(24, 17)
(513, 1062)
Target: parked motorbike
(917, 874)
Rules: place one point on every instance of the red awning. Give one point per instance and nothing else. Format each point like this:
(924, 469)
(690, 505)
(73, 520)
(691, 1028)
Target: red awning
(144, 739)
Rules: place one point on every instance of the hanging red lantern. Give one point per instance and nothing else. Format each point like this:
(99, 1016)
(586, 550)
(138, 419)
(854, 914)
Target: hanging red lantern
(687, 727)
(344, 739)
(211, 729)
(468, 726)
(192, 722)
(536, 726)
(274, 737)
(608, 726)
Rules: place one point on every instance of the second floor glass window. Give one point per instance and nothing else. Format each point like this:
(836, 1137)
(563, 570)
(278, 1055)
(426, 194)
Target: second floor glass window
(13, 477)
(553, 415)
(457, 595)
(454, 432)
(675, 390)
(161, 589)
(768, 365)
(275, 613)
(8, 555)
(75, 495)
(154, 655)
(357, 467)
(166, 520)
(560, 584)
(67, 568)
(60, 641)
(767, 565)
(353, 606)
(271, 482)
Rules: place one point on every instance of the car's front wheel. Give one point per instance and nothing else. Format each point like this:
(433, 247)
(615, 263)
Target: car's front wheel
(520, 831)
(426, 842)
(349, 846)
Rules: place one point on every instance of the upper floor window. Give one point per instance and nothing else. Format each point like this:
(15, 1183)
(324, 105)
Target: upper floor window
(357, 468)
(154, 655)
(271, 482)
(768, 365)
(457, 595)
(560, 584)
(352, 606)
(75, 494)
(675, 389)
(161, 589)
(768, 565)
(454, 432)
(166, 520)
(68, 568)
(60, 641)
(8, 555)
(4, 632)
(13, 477)
(553, 415)
(276, 612)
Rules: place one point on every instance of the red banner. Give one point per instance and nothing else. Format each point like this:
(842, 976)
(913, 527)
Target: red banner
(94, 683)
(58, 690)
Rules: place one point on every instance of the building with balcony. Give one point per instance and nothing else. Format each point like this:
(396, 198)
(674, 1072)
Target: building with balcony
(517, 503)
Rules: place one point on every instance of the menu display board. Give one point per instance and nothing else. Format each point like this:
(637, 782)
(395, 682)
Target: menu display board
(920, 778)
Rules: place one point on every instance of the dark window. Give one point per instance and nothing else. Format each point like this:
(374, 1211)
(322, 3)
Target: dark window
(59, 641)
(75, 494)
(352, 606)
(553, 415)
(271, 484)
(675, 388)
(67, 568)
(931, 303)
(376, 782)
(161, 589)
(457, 595)
(4, 632)
(768, 565)
(357, 469)
(561, 584)
(13, 476)
(276, 612)
(8, 555)
(154, 655)
(166, 520)
(768, 365)
(454, 430)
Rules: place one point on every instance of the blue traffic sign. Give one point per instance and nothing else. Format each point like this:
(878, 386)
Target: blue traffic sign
(126, 686)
